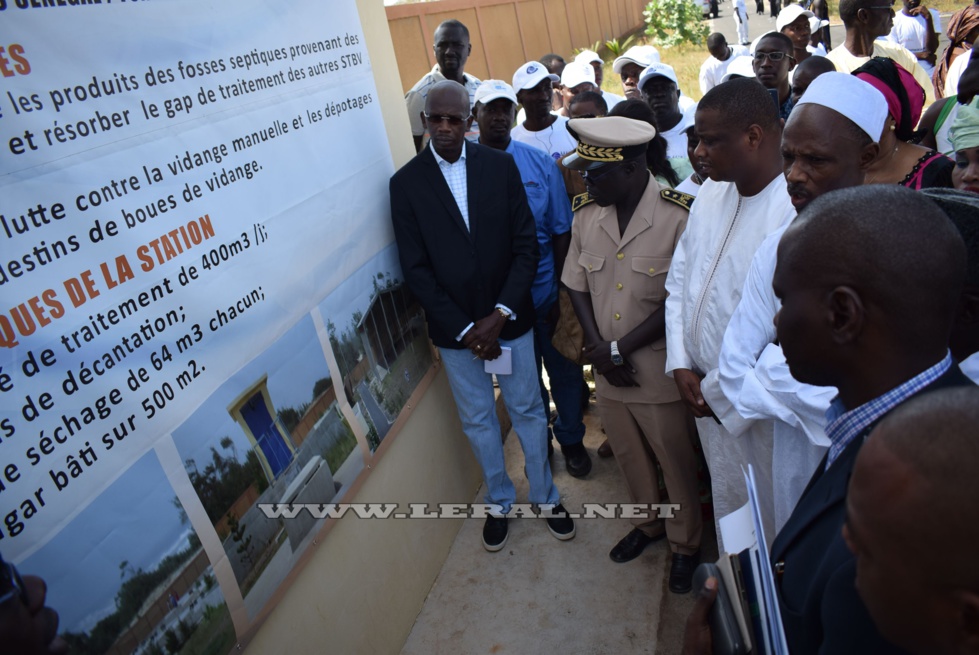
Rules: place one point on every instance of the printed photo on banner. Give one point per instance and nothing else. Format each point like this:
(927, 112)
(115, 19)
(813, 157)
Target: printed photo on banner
(377, 334)
(141, 585)
(176, 200)
(272, 433)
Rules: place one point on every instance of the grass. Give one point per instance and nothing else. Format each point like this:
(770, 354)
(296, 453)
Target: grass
(214, 635)
(337, 454)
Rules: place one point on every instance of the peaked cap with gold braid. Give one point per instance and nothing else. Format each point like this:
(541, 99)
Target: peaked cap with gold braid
(607, 140)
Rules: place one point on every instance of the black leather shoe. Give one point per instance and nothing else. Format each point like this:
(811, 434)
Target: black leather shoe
(576, 460)
(605, 450)
(681, 572)
(632, 546)
(495, 533)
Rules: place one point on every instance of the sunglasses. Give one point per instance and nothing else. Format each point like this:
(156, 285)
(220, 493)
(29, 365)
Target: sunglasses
(438, 119)
(592, 176)
(774, 56)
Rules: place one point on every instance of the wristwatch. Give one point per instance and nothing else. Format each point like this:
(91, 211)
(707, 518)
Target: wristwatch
(504, 313)
(616, 357)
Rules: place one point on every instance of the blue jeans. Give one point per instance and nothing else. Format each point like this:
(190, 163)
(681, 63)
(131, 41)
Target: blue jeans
(472, 388)
(566, 383)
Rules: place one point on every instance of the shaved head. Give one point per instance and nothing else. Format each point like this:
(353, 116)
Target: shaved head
(935, 435)
(848, 238)
(806, 72)
(869, 279)
(743, 102)
(448, 91)
(915, 478)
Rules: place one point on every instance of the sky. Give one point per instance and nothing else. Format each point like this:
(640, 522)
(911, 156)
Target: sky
(81, 563)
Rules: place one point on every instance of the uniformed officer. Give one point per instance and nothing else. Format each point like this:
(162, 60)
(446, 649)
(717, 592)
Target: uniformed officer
(625, 230)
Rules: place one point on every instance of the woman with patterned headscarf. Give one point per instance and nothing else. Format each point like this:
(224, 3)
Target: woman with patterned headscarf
(963, 28)
(901, 161)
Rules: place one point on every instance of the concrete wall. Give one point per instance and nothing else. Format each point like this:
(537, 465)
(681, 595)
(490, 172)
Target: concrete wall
(360, 589)
(507, 33)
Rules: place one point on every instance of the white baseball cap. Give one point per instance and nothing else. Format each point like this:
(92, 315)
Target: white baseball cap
(588, 56)
(657, 69)
(852, 97)
(817, 23)
(577, 72)
(789, 15)
(644, 55)
(490, 90)
(530, 75)
(739, 67)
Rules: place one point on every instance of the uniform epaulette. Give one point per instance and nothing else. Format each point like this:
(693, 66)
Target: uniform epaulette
(581, 200)
(685, 200)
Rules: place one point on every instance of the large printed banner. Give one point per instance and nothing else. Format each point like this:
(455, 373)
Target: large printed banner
(201, 312)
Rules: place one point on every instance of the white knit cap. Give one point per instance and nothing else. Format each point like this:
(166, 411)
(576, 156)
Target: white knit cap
(849, 95)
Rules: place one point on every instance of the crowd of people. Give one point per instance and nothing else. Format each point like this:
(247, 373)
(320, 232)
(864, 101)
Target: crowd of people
(784, 274)
(765, 277)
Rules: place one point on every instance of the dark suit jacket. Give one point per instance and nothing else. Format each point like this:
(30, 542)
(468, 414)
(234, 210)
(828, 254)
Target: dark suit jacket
(820, 607)
(460, 275)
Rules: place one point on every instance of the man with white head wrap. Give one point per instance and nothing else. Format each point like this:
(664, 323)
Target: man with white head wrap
(836, 123)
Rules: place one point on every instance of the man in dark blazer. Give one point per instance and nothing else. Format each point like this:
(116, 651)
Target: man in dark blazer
(855, 315)
(468, 247)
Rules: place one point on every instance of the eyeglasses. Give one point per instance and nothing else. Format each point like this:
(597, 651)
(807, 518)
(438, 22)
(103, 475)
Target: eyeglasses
(774, 56)
(438, 119)
(10, 578)
(592, 176)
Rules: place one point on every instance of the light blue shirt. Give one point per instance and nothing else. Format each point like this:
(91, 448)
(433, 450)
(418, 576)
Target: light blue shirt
(549, 204)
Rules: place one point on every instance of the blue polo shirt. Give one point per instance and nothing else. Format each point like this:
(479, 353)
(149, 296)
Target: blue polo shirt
(549, 204)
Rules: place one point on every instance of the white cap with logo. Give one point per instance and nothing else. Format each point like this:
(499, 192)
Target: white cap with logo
(490, 90)
(530, 75)
(657, 69)
(577, 72)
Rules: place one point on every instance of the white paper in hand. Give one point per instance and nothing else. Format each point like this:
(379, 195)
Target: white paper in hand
(502, 365)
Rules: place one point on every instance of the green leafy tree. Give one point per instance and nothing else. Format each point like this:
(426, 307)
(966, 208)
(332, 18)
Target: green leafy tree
(672, 22)
(224, 479)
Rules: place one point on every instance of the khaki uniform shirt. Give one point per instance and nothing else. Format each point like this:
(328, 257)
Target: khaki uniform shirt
(626, 278)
